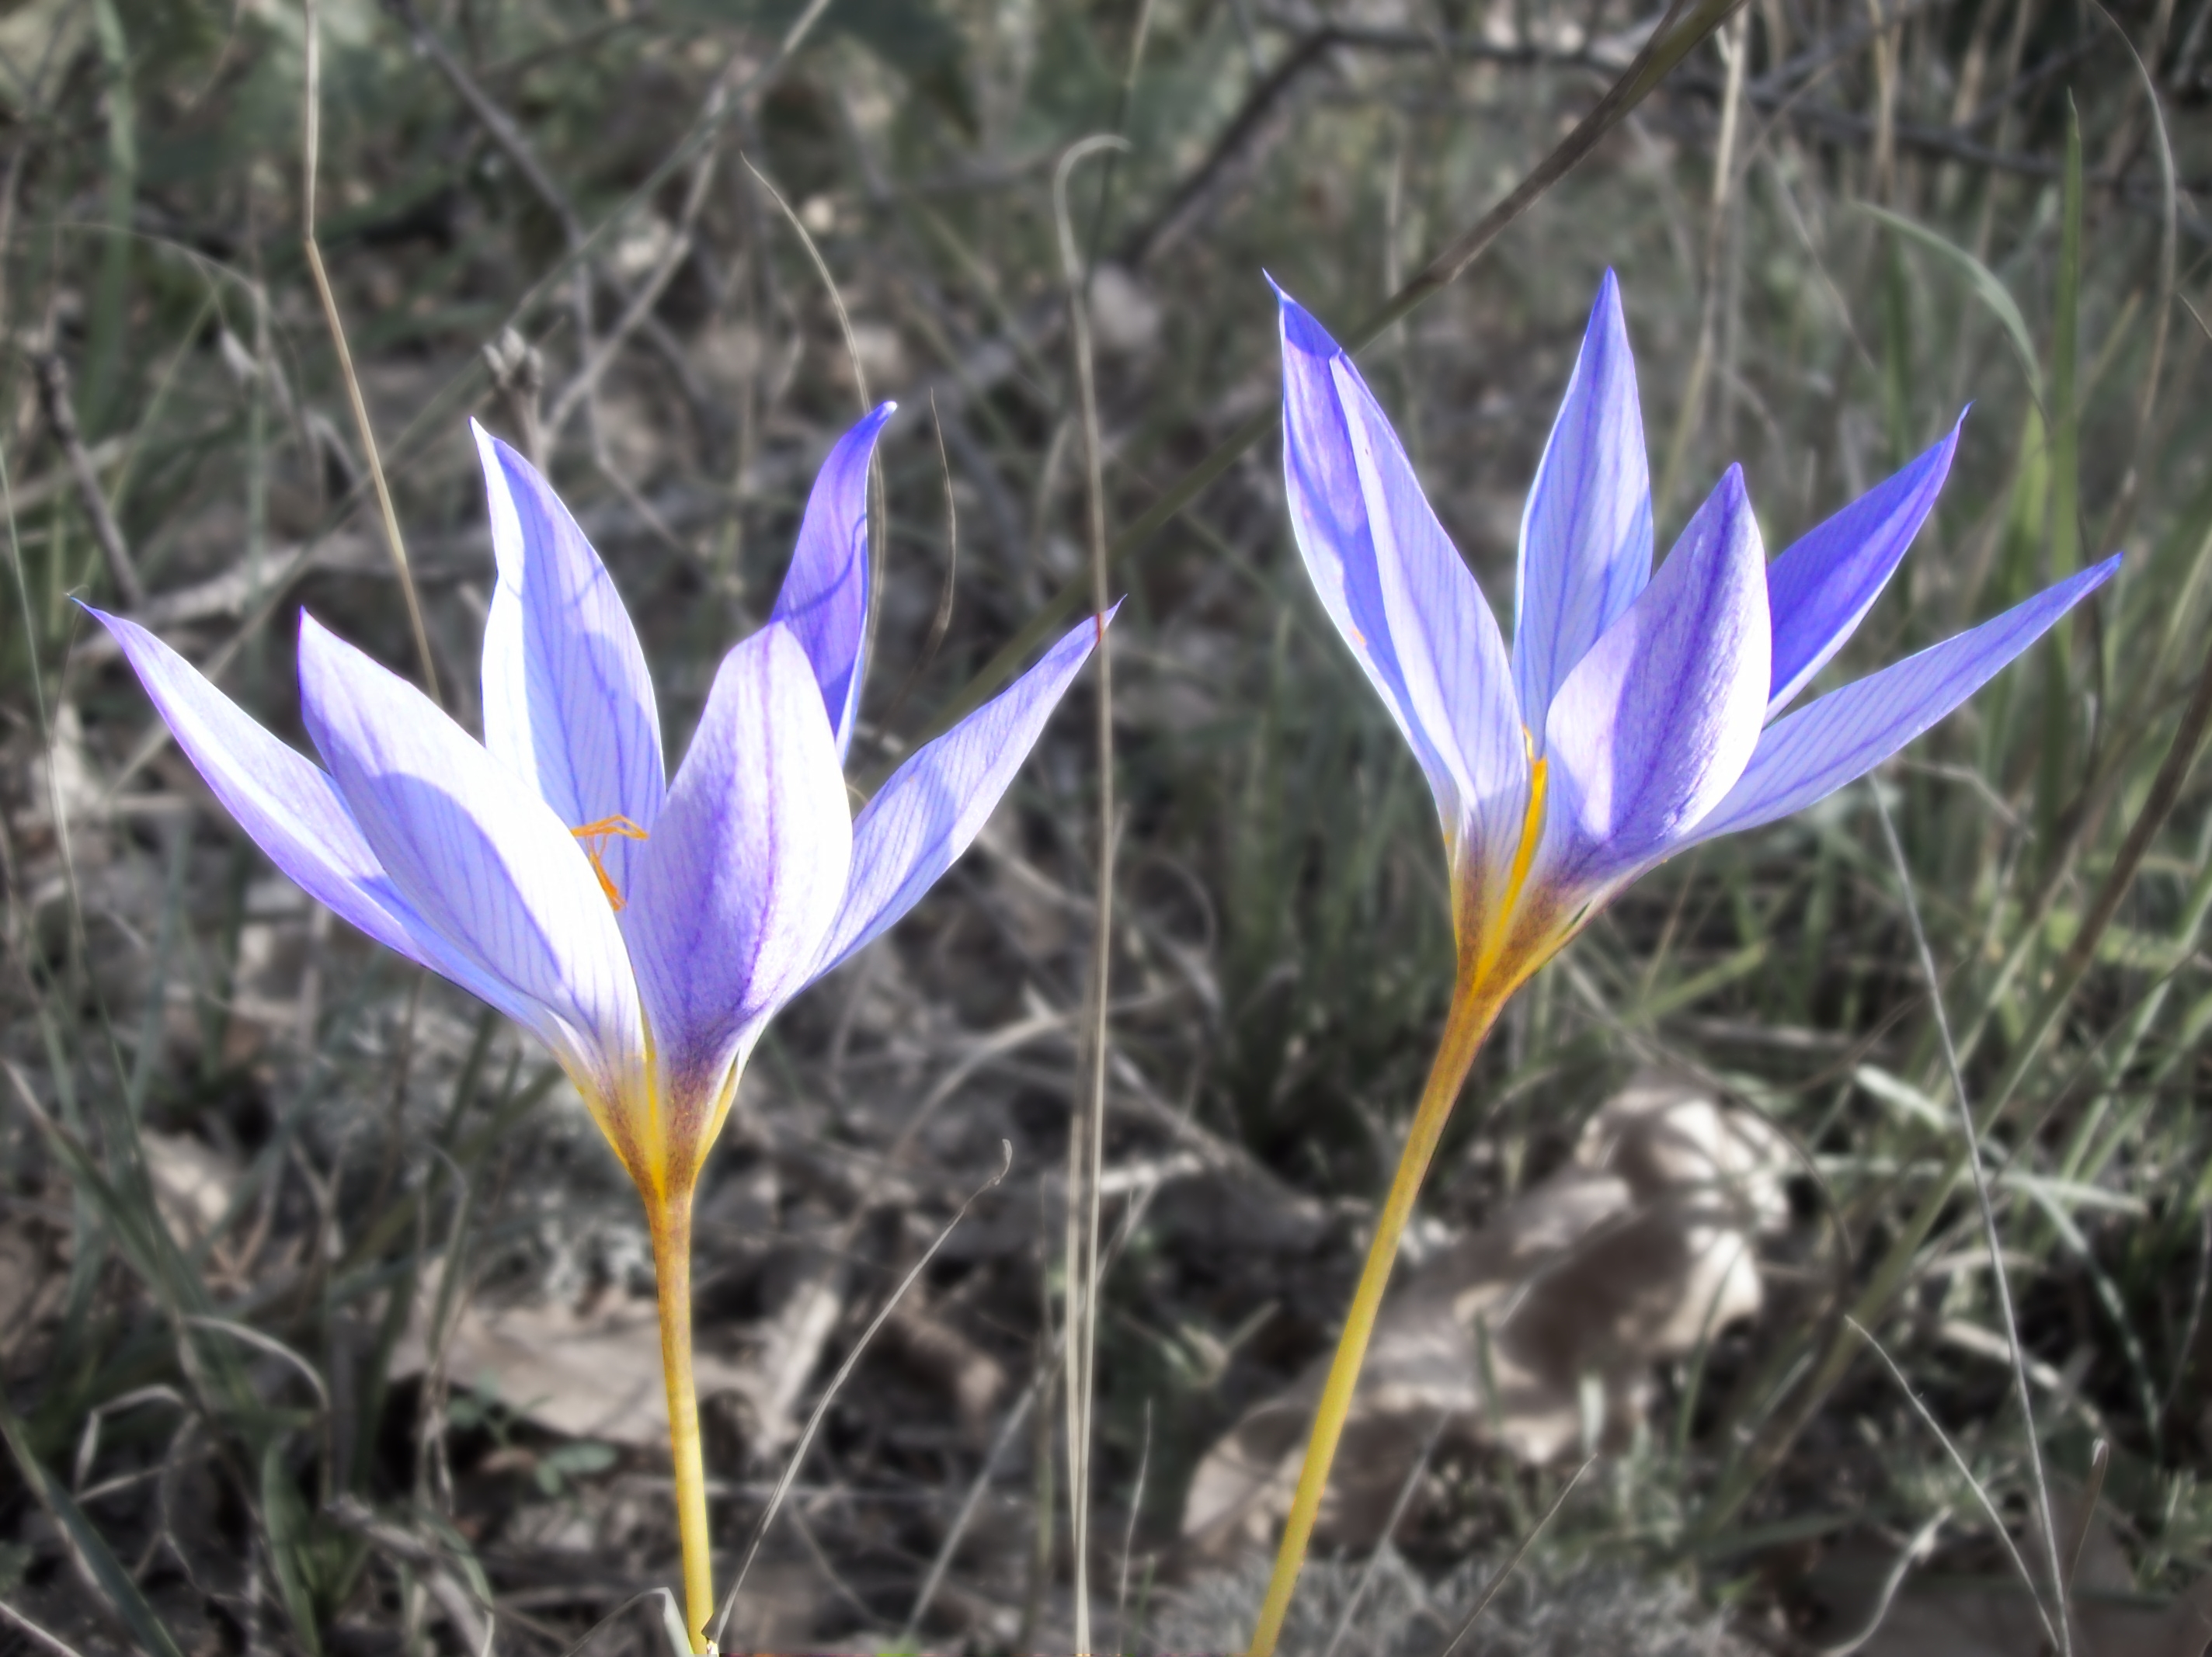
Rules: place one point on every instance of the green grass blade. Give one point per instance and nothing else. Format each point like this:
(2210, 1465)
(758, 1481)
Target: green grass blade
(1992, 293)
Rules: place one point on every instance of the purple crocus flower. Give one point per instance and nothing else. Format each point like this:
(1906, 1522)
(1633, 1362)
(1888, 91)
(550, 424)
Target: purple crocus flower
(1638, 713)
(645, 929)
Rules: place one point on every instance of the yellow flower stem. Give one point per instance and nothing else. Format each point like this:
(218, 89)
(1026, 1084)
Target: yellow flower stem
(1472, 1012)
(670, 1215)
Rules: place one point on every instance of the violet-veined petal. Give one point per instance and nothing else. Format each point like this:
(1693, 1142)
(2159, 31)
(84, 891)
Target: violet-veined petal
(932, 807)
(290, 809)
(1659, 719)
(1329, 520)
(1586, 532)
(1809, 755)
(1451, 658)
(824, 600)
(1821, 585)
(483, 861)
(568, 702)
(740, 881)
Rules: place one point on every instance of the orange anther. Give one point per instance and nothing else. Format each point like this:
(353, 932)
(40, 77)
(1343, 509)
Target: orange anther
(596, 832)
(606, 826)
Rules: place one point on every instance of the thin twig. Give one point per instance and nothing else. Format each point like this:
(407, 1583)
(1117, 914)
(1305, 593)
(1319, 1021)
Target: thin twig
(958, 1530)
(1686, 23)
(1407, 1487)
(1491, 1588)
(495, 120)
(797, 1457)
(53, 377)
(311, 99)
(1998, 1275)
(639, 310)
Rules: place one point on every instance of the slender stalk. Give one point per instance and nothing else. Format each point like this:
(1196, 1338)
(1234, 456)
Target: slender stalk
(670, 1217)
(1473, 1009)
(1086, 1145)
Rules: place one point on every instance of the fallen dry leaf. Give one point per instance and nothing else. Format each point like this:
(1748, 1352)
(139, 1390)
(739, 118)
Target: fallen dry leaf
(1636, 1250)
(593, 1372)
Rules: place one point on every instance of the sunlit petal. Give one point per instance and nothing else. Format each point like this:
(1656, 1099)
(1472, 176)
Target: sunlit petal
(291, 809)
(932, 807)
(480, 858)
(1809, 755)
(1659, 719)
(824, 600)
(742, 878)
(1420, 628)
(1451, 657)
(568, 701)
(1822, 585)
(1586, 532)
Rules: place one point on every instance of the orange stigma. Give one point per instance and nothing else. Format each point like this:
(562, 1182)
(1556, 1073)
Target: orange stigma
(594, 835)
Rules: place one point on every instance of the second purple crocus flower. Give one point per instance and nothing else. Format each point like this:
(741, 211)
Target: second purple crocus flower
(1639, 712)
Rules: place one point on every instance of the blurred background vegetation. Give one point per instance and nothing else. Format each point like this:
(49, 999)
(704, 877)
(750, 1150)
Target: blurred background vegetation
(323, 1313)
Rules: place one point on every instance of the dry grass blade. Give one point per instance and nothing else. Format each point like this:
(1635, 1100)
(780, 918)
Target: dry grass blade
(2000, 1276)
(956, 1532)
(1504, 1572)
(1959, 1464)
(43, 1637)
(940, 622)
(311, 118)
(1086, 1144)
(797, 1457)
(1915, 1549)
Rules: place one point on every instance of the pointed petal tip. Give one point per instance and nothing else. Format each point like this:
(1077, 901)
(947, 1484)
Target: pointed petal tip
(1607, 319)
(501, 458)
(1301, 332)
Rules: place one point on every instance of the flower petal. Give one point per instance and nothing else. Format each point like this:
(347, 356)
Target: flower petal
(1451, 657)
(1586, 532)
(1846, 733)
(824, 600)
(933, 806)
(290, 809)
(739, 882)
(1659, 719)
(1355, 508)
(568, 702)
(1822, 585)
(484, 861)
